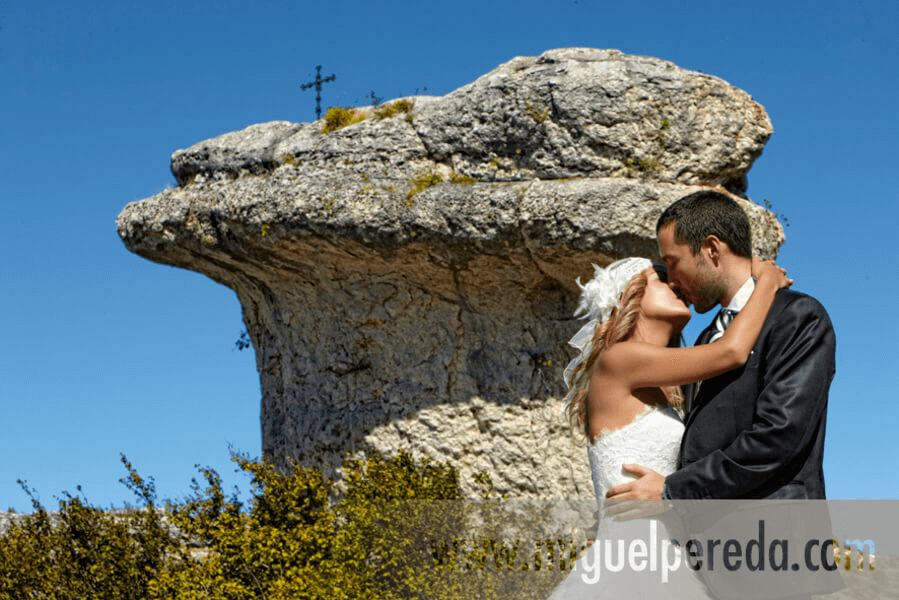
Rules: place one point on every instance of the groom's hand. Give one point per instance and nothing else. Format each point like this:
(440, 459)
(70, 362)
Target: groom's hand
(647, 486)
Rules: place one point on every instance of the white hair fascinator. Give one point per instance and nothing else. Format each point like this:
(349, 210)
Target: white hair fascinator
(598, 297)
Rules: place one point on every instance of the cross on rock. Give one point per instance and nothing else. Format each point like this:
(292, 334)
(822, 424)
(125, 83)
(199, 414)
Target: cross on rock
(317, 84)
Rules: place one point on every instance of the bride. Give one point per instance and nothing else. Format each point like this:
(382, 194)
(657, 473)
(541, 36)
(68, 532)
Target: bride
(624, 393)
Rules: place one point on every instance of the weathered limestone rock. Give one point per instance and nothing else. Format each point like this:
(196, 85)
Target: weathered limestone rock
(580, 111)
(409, 280)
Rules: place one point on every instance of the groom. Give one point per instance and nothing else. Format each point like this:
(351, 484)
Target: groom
(756, 431)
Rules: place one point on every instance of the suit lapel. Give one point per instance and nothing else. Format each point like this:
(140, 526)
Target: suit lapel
(711, 387)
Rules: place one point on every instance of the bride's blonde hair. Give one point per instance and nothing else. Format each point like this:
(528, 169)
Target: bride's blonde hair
(619, 327)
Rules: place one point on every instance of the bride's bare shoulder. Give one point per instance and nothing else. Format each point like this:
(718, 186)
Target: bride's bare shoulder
(624, 355)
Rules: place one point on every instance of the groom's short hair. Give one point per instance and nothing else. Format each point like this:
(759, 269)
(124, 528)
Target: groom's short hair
(706, 213)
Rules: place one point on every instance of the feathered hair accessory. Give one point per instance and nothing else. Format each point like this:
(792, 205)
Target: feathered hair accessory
(599, 297)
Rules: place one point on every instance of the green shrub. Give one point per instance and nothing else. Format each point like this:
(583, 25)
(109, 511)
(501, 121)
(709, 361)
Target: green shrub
(394, 108)
(338, 117)
(84, 552)
(280, 546)
(395, 529)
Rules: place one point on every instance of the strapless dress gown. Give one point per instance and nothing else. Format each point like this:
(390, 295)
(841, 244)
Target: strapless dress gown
(620, 562)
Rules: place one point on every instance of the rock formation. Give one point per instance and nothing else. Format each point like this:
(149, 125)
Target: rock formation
(409, 280)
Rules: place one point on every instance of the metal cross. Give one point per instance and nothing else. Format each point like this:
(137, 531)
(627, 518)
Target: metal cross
(318, 89)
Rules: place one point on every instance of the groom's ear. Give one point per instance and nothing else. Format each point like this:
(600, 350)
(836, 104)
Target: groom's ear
(713, 248)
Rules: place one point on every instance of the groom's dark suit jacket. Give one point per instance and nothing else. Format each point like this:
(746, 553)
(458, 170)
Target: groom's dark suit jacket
(758, 431)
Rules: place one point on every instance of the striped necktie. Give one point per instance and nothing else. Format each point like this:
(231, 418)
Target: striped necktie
(716, 330)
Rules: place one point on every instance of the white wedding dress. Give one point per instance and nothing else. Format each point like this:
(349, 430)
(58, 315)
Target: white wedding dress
(620, 562)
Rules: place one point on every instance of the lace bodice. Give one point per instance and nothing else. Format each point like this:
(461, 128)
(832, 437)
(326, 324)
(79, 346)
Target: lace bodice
(652, 440)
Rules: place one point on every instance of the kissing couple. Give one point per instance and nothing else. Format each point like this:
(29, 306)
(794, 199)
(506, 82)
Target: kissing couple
(739, 415)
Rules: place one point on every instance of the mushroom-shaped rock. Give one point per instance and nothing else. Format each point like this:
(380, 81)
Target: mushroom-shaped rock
(409, 280)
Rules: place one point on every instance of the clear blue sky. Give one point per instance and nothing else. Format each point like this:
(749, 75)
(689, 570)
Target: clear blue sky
(104, 352)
